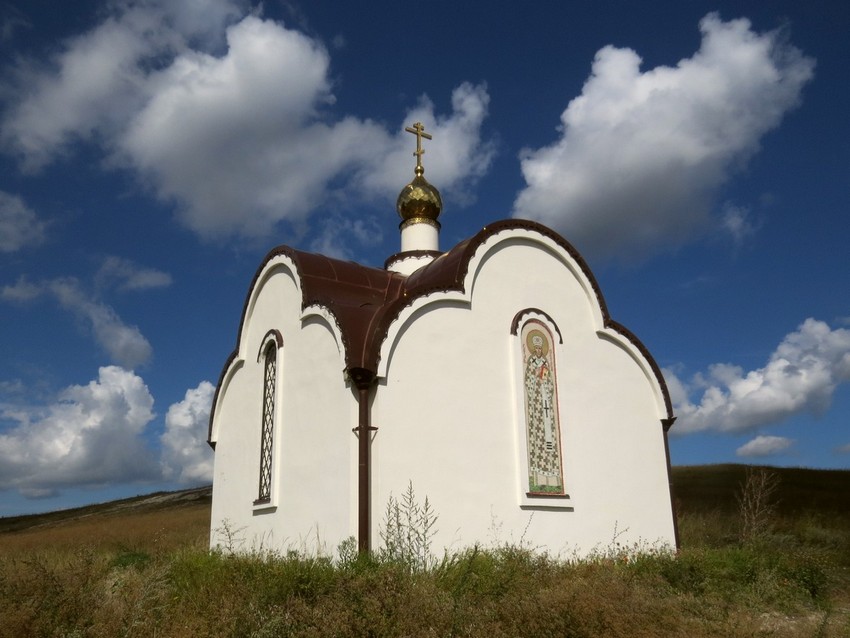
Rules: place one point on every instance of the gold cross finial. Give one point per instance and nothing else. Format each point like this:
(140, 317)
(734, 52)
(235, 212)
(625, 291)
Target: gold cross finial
(419, 131)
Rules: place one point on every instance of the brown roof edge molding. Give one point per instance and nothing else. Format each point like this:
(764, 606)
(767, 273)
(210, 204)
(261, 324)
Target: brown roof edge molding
(667, 422)
(522, 313)
(365, 301)
(274, 333)
(355, 295)
(224, 369)
(449, 271)
(410, 253)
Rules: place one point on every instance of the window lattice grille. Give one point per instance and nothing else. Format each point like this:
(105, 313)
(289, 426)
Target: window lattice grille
(268, 425)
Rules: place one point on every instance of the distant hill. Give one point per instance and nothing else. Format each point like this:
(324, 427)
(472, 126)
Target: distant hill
(197, 497)
(702, 488)
(696, 488)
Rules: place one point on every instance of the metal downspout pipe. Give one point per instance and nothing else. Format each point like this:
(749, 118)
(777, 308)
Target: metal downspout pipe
(364, 380)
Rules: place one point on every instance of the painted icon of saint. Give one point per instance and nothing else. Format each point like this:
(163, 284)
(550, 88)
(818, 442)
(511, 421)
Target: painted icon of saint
(541, 410)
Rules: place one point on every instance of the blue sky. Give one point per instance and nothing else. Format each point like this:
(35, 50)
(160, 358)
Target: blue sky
(697, 154)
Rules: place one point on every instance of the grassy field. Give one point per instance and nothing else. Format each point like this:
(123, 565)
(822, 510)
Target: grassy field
(141, 568)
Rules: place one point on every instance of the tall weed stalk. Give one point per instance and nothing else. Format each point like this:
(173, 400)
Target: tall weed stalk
(408, 531)
(757, 502)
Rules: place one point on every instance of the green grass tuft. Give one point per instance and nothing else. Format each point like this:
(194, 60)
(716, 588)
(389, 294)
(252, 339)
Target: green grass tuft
(151, 574)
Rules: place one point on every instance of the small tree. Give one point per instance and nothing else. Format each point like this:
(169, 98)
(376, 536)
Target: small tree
(757, 502)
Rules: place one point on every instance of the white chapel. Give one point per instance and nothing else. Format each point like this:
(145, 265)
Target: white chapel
(489, 377)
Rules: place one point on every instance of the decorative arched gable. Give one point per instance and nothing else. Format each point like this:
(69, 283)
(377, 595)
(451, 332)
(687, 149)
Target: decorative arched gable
(451, 277)
(366, 308)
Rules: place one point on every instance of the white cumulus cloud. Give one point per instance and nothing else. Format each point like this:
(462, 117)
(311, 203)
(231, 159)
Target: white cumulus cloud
(800, 376)
(90, 436)
(454, 161)
(128, 275)
(642, 154)
(737, 222)
(88, 87)
(125, 344)
(97, 79)
(19, 224)
(764, 445)
(22, 291)
(186, 457)
(230, 117)
(336, 232)
(244, 141)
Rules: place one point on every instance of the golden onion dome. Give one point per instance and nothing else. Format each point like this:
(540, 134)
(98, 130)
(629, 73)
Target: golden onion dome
(419, 199)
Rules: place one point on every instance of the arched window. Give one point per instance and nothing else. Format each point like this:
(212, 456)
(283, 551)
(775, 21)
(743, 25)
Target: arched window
(267, 431)
(542, 420)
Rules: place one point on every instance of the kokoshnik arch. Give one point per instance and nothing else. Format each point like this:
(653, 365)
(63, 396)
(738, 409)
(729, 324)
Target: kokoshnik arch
(490, 377)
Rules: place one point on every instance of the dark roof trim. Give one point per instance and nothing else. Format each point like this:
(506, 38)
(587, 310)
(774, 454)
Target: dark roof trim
(448, 273)
(365, 301)
(518, 317)
(628, 334)
(278, 339)
(224, 369)
(407, 254)
(456, 261)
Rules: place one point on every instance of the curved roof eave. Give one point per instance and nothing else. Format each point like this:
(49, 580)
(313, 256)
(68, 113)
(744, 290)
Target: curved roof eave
(365, 301)
(448, 273)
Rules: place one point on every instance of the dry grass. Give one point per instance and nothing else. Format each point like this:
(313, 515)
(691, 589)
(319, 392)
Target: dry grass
(149, 573)
(164, 530)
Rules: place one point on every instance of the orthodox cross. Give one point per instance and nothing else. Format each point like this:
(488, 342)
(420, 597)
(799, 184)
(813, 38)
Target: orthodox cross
(419, 131)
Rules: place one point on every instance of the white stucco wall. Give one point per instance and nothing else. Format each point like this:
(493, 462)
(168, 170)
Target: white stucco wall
(449, 409)
(455, 424)
(313, 486)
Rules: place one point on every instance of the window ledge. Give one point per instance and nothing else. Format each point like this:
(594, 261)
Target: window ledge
(541, 500)
(263, 505)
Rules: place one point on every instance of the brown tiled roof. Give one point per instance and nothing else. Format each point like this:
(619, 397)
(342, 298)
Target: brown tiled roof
(359, 297)
(366, 300)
